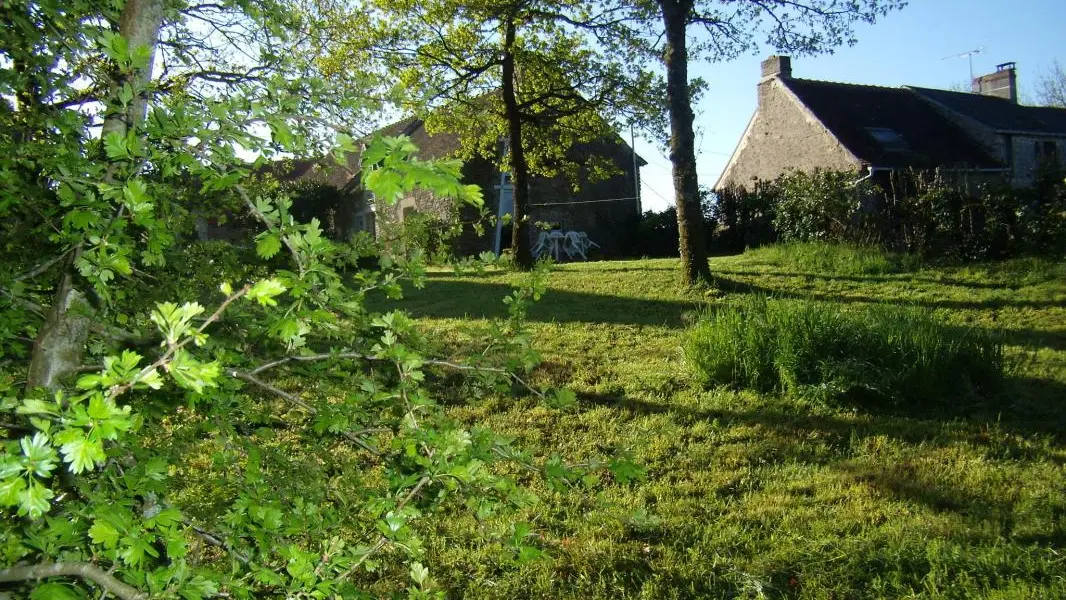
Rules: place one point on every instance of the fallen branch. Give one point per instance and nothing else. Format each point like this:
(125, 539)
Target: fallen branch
(350, 436)
(215, 541)
(383, 540)
(359, 356)
(87, 571)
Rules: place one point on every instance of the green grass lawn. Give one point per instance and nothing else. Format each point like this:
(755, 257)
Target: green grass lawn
(752, 495)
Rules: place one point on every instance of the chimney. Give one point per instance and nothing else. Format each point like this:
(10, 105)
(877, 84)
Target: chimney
(1001, 84)
(776, 66)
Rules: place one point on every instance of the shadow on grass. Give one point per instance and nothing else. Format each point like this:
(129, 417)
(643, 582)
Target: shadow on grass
(1025, 406)
(1002, 437)
(1033, 338)
(451, 299)
(902, 277)
(735, 286)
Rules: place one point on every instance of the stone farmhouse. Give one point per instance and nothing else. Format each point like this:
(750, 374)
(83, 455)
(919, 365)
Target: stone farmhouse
(604, 209)
(970, 138)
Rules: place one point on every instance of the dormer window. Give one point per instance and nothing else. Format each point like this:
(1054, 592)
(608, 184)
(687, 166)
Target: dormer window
(889, 139)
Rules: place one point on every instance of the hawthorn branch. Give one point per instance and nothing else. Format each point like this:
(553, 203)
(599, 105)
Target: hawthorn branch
(249, 376)
(48, 264)
(116, 391)
(87, 571)
(266, 221)
(273, 390)
(383, 540)
(213, 540)
(352, 436)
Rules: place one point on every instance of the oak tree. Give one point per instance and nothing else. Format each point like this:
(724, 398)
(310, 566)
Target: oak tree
(539, 74)
(681, 31)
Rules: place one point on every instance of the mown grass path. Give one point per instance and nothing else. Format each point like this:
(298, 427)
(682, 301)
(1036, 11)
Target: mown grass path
(749, 495)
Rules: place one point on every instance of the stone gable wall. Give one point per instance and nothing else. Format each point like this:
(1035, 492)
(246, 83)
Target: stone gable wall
(783, 136)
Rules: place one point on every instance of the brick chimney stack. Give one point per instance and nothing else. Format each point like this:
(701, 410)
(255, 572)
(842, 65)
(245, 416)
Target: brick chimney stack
(1001, 84)
(776, 66)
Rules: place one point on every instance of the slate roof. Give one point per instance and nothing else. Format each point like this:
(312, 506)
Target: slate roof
(430, 146)
(890, 127)
(1000, 114)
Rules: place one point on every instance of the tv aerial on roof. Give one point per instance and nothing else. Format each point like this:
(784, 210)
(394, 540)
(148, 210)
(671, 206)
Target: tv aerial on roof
(969, 55)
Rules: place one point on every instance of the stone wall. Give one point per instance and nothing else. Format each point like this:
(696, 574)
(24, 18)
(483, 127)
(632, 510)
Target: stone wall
(783, 136)
(1030, 153)
(605, 209)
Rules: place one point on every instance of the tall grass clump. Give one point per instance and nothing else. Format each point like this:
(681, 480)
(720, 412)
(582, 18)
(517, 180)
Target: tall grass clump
(877, 355)
(835, 258)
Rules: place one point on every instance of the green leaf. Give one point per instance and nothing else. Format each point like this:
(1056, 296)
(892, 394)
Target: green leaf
(81, 219)
(104, 534)
(36, 406)
(190, 373)
(198, 588)
(83, 454)
(168, 517)
(268, 245)
(265, 290)
(135, 194)
(33, 500)
(135, 548)
(419, 574)
(10, 490)
(625, 471)
(89, 382)
(55, 591)
(40, 456)
(177, 547)
(561, 398)
(115, 146)
(9, 467)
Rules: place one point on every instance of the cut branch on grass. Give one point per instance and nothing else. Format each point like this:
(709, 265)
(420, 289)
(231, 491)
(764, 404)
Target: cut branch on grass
(353, 437)
(359, 356)
(214, 540)
(383, 540)
(118, 390)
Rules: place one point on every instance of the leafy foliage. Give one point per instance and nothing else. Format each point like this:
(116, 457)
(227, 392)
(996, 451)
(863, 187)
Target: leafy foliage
(924, 213)
(169, 453)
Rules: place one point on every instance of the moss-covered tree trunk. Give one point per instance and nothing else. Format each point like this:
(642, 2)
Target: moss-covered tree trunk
(520, 243)
(693, 247)
(60, 342)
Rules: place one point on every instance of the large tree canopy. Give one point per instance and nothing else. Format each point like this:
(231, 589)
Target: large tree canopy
(539, 74)
(681, 31)
(153, 441)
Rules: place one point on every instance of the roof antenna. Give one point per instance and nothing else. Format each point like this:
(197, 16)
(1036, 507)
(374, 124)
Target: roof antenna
(968, 54)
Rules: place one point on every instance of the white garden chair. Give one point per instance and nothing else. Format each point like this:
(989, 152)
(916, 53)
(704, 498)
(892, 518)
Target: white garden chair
(574, 244)
(543, 242)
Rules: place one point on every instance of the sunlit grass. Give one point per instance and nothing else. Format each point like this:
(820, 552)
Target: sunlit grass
(768, 494)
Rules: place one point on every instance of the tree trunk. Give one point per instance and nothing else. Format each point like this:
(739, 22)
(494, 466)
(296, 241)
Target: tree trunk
(139, 24)
(693, 248)
(520, 243)
(60, 343)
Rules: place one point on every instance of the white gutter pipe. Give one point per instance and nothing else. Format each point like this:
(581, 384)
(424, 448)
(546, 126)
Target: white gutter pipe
(872, 169)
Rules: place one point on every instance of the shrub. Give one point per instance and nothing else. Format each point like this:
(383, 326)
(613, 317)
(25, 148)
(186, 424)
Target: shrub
(922, 212)
(745, 217)
(875, 355)
(420, 234)
(825, 205)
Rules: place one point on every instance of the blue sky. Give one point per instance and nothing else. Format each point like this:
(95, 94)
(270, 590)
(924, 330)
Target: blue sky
(905, 48)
